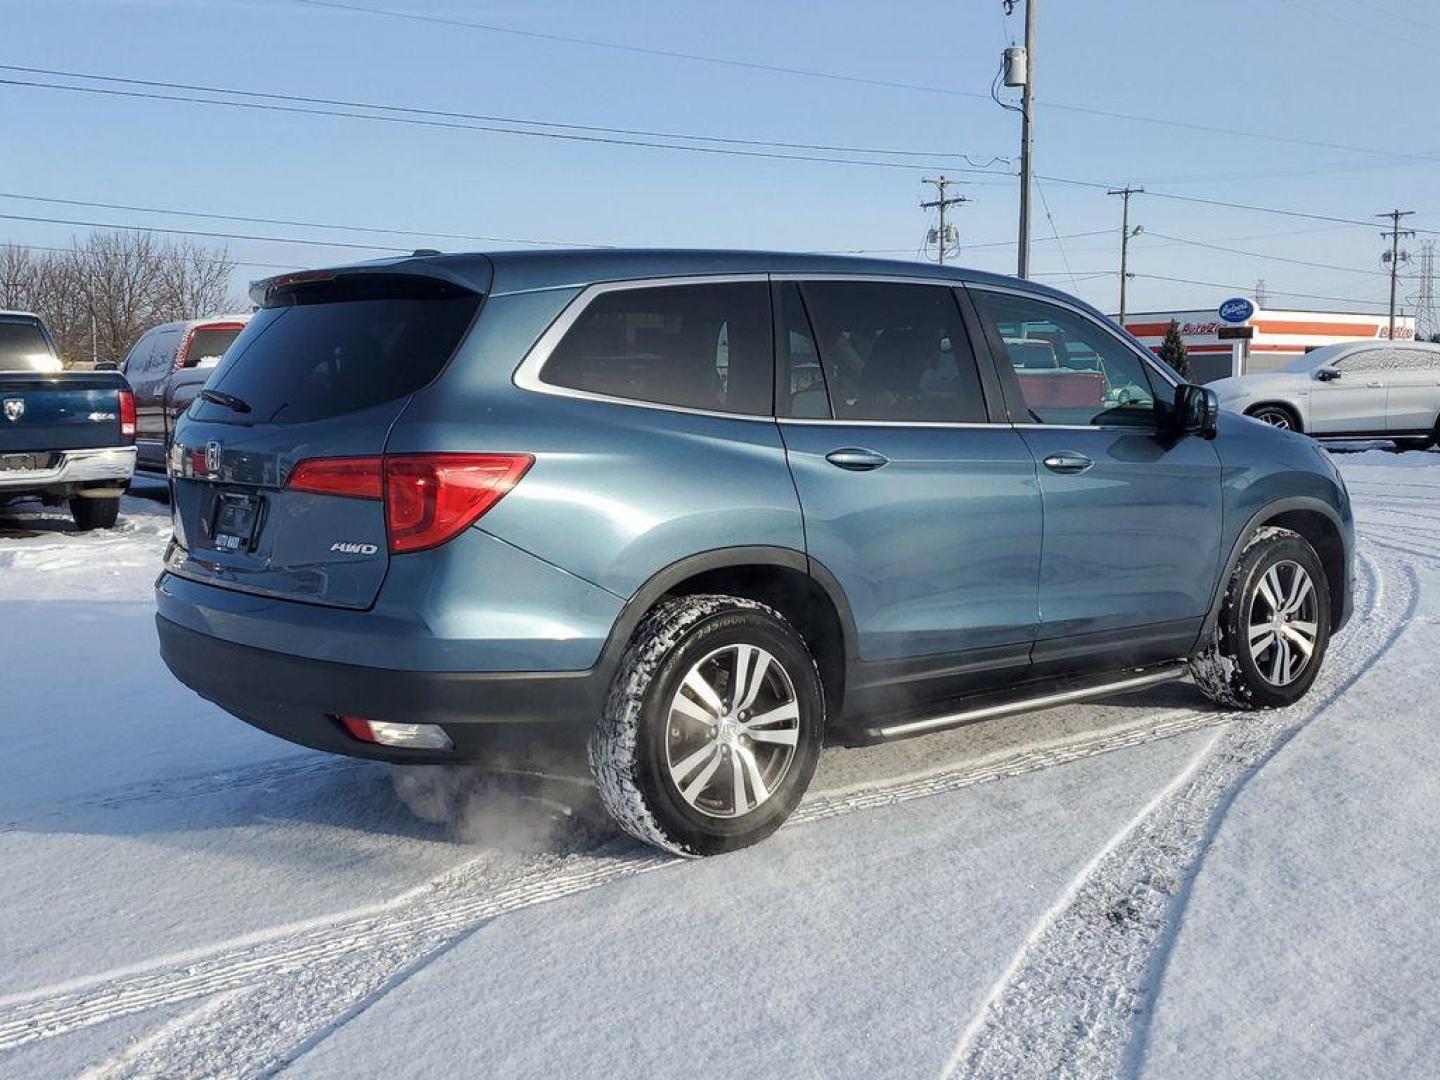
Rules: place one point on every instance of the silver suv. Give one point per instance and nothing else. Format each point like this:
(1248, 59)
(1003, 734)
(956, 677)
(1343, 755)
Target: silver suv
(1357, 389)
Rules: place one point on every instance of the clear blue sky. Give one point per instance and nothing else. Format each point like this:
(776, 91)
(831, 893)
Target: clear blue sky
(1325, 71)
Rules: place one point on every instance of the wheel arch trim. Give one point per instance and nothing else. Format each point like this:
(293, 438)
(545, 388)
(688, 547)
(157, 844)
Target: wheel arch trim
(757, 556)
(1266, 514)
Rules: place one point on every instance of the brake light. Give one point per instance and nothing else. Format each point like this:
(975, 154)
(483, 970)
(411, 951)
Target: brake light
(354, 478)
(429, 498)
(127, 414)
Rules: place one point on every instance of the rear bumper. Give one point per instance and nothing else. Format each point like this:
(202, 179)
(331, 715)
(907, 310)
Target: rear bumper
(109, 464)
(298, 698)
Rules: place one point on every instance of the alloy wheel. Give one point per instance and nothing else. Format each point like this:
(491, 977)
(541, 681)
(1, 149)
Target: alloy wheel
(1275, 418)
(732, 730)
(1282, 624)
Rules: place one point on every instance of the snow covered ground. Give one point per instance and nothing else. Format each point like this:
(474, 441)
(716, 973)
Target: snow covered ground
(1144, 887)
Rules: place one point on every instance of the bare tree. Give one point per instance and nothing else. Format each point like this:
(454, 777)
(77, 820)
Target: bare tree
(105, 291)
(17, 277)
(192, 281)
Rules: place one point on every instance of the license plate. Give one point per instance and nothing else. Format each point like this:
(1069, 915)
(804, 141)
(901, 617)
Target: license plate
(236, 517)
(26, 462)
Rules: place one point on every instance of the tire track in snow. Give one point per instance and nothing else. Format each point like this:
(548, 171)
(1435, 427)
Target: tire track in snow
(283, 989)
(1076, 999)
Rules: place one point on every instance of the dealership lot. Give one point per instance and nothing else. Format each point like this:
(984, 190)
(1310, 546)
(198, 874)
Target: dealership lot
(1101, 885)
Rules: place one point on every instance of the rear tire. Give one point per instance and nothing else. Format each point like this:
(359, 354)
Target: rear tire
(94, 513)
(1274, 626)
(722, 764)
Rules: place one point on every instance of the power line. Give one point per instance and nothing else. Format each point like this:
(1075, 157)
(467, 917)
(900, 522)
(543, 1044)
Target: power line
(451, 114)
(724, 150)
(1274, 291)
(207, 235)
(293, 222)
(71, 250)
(455, 125)
(672, 54)
(1262, 255)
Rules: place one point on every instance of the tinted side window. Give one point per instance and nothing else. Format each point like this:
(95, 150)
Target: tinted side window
(696, 346)
(894, 352)
(1066, 368)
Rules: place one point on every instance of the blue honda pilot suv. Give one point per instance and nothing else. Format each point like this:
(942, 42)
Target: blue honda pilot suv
(709, 510)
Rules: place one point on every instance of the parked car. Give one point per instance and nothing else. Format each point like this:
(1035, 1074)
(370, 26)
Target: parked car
(65, 436)
(167, 367)
(1361, 389)
(600, 494)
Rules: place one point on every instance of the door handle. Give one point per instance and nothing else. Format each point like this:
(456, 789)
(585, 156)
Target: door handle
(1374, 385)
(1068, 462)
(856, 459)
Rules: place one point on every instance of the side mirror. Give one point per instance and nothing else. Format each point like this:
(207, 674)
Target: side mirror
(1327, 374)
(1197, 411)
(106, 365)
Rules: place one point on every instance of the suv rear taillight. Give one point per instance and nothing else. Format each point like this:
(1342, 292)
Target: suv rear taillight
(429, 498)
(127, 414)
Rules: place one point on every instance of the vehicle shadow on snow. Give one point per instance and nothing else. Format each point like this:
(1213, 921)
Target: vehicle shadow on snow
(530, 804)
(482, 806)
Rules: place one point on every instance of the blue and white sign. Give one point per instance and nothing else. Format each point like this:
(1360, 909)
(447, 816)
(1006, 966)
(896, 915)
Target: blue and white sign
(1237, 309)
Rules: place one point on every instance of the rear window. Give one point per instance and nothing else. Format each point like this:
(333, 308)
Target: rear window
(207, 346)
(340, 345)
(24, 348)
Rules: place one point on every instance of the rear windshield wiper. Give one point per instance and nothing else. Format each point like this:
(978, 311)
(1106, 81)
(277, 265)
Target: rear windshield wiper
(230, 401)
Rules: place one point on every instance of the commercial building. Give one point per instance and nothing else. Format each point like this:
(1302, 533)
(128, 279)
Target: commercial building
(1266, 340)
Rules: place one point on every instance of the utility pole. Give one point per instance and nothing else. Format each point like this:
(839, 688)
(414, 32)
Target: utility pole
(942, 204)
(1393, 257)
(1125, 235)
(1027, 139)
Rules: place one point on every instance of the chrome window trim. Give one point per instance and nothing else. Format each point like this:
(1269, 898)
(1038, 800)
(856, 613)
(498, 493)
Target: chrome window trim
(821, 422)
(1146, 357)
(527, 374)
(820, 277)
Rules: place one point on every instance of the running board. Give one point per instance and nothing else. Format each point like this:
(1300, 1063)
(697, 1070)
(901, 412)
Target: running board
(1044, 701)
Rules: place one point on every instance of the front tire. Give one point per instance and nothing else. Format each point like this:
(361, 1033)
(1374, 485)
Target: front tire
(712, 728)
(1276, 416)
(1274, 626)
(94, 513)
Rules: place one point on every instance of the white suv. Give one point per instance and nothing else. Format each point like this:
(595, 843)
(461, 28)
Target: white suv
(1361, 389)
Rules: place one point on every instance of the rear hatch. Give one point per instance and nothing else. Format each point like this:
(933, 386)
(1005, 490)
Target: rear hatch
(322, 371)
(45, 409)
